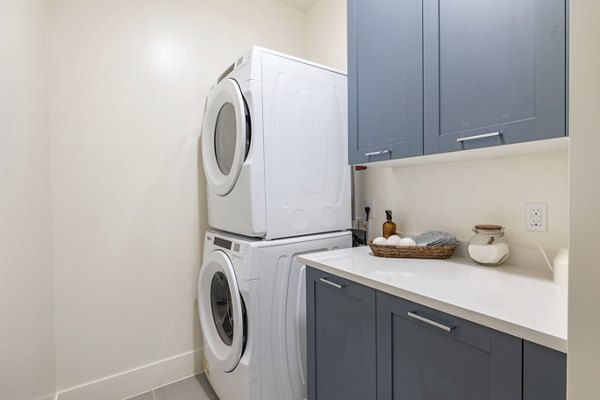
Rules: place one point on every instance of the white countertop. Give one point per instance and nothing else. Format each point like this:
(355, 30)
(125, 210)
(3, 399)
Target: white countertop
(523, 302)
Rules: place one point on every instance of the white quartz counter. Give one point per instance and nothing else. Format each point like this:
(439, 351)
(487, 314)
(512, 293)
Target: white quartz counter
(522, 302)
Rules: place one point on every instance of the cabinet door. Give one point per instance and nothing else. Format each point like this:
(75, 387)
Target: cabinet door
(494, 72)
(385, 79)
(544, 373)
(423, 354)
(340, 338)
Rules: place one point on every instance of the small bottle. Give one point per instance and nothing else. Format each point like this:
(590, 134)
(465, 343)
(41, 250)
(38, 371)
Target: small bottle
(389, 227)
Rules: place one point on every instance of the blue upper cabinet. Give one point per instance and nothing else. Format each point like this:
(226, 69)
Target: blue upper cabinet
(385, 79)
(431, 76)
(495, 72)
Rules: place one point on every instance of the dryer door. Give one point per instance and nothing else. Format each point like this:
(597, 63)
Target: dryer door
(225, 136)
(221, 311)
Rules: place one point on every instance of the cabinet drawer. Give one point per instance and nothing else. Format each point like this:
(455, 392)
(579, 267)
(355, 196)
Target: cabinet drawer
(341, 339)
(425, 354)
(341, 285)
(445, 324)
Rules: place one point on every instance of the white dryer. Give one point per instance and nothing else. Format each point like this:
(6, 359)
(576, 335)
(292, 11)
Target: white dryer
(274, 148)
(252, 306)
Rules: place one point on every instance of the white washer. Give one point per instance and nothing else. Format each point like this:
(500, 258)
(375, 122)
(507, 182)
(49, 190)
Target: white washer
(252, 306)
(274, 148)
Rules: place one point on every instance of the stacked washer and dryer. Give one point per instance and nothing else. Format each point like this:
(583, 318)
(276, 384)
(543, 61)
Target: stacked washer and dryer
(274, 150)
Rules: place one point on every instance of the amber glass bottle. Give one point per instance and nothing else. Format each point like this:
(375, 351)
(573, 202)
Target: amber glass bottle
(389, 227)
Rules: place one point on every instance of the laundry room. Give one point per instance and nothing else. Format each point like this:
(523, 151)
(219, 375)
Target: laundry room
(179, 180)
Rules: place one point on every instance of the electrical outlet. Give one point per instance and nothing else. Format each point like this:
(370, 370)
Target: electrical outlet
(537, 217)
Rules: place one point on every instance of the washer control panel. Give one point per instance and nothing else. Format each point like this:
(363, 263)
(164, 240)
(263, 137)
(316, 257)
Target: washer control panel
(224, 243)
(235, 250)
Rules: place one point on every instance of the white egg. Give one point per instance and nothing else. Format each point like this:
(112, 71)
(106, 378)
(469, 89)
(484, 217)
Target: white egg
(406, 242)
(380, 241)
(394, 240)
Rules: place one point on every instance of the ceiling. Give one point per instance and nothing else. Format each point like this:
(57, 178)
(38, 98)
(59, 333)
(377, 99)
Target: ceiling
(301, 5)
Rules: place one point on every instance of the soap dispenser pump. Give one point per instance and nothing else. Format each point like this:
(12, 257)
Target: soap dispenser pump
(389, 227)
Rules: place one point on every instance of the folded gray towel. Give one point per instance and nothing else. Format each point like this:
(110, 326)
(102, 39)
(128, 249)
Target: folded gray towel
(436, 239)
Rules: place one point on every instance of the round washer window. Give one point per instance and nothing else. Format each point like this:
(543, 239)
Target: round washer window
(225, 138)
(221, 305)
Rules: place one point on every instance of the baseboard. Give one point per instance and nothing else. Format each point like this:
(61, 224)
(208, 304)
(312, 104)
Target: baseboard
(138, 380)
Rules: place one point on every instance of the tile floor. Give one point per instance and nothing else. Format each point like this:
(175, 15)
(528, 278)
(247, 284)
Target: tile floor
(194, 388)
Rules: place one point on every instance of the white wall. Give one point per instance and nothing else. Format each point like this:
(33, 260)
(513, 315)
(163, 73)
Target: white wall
(26, 316)
(456, 196)
(326, 33)
(584, 295)
(128, 80)
(452, 196)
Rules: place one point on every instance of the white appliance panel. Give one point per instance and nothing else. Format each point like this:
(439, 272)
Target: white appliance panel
(305, 141)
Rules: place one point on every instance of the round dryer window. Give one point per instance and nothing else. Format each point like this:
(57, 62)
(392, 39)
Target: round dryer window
(222, 312)
(225, 136)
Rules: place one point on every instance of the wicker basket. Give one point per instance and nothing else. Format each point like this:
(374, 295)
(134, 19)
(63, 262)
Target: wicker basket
(425, 252)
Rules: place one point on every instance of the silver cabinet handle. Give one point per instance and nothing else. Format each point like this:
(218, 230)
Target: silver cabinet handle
(335, 285)
(414, 315)
(377, 153)
(482, 136)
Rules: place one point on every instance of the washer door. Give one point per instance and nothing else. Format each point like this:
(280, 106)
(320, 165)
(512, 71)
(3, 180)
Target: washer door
(221, 310)
(225, 136)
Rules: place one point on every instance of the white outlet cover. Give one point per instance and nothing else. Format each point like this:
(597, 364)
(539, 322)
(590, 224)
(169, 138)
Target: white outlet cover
(537, 217)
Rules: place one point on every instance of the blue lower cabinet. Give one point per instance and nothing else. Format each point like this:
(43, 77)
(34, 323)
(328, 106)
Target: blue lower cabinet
(368, 345)
(424, 354)
(340, 339)
(544, 373)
